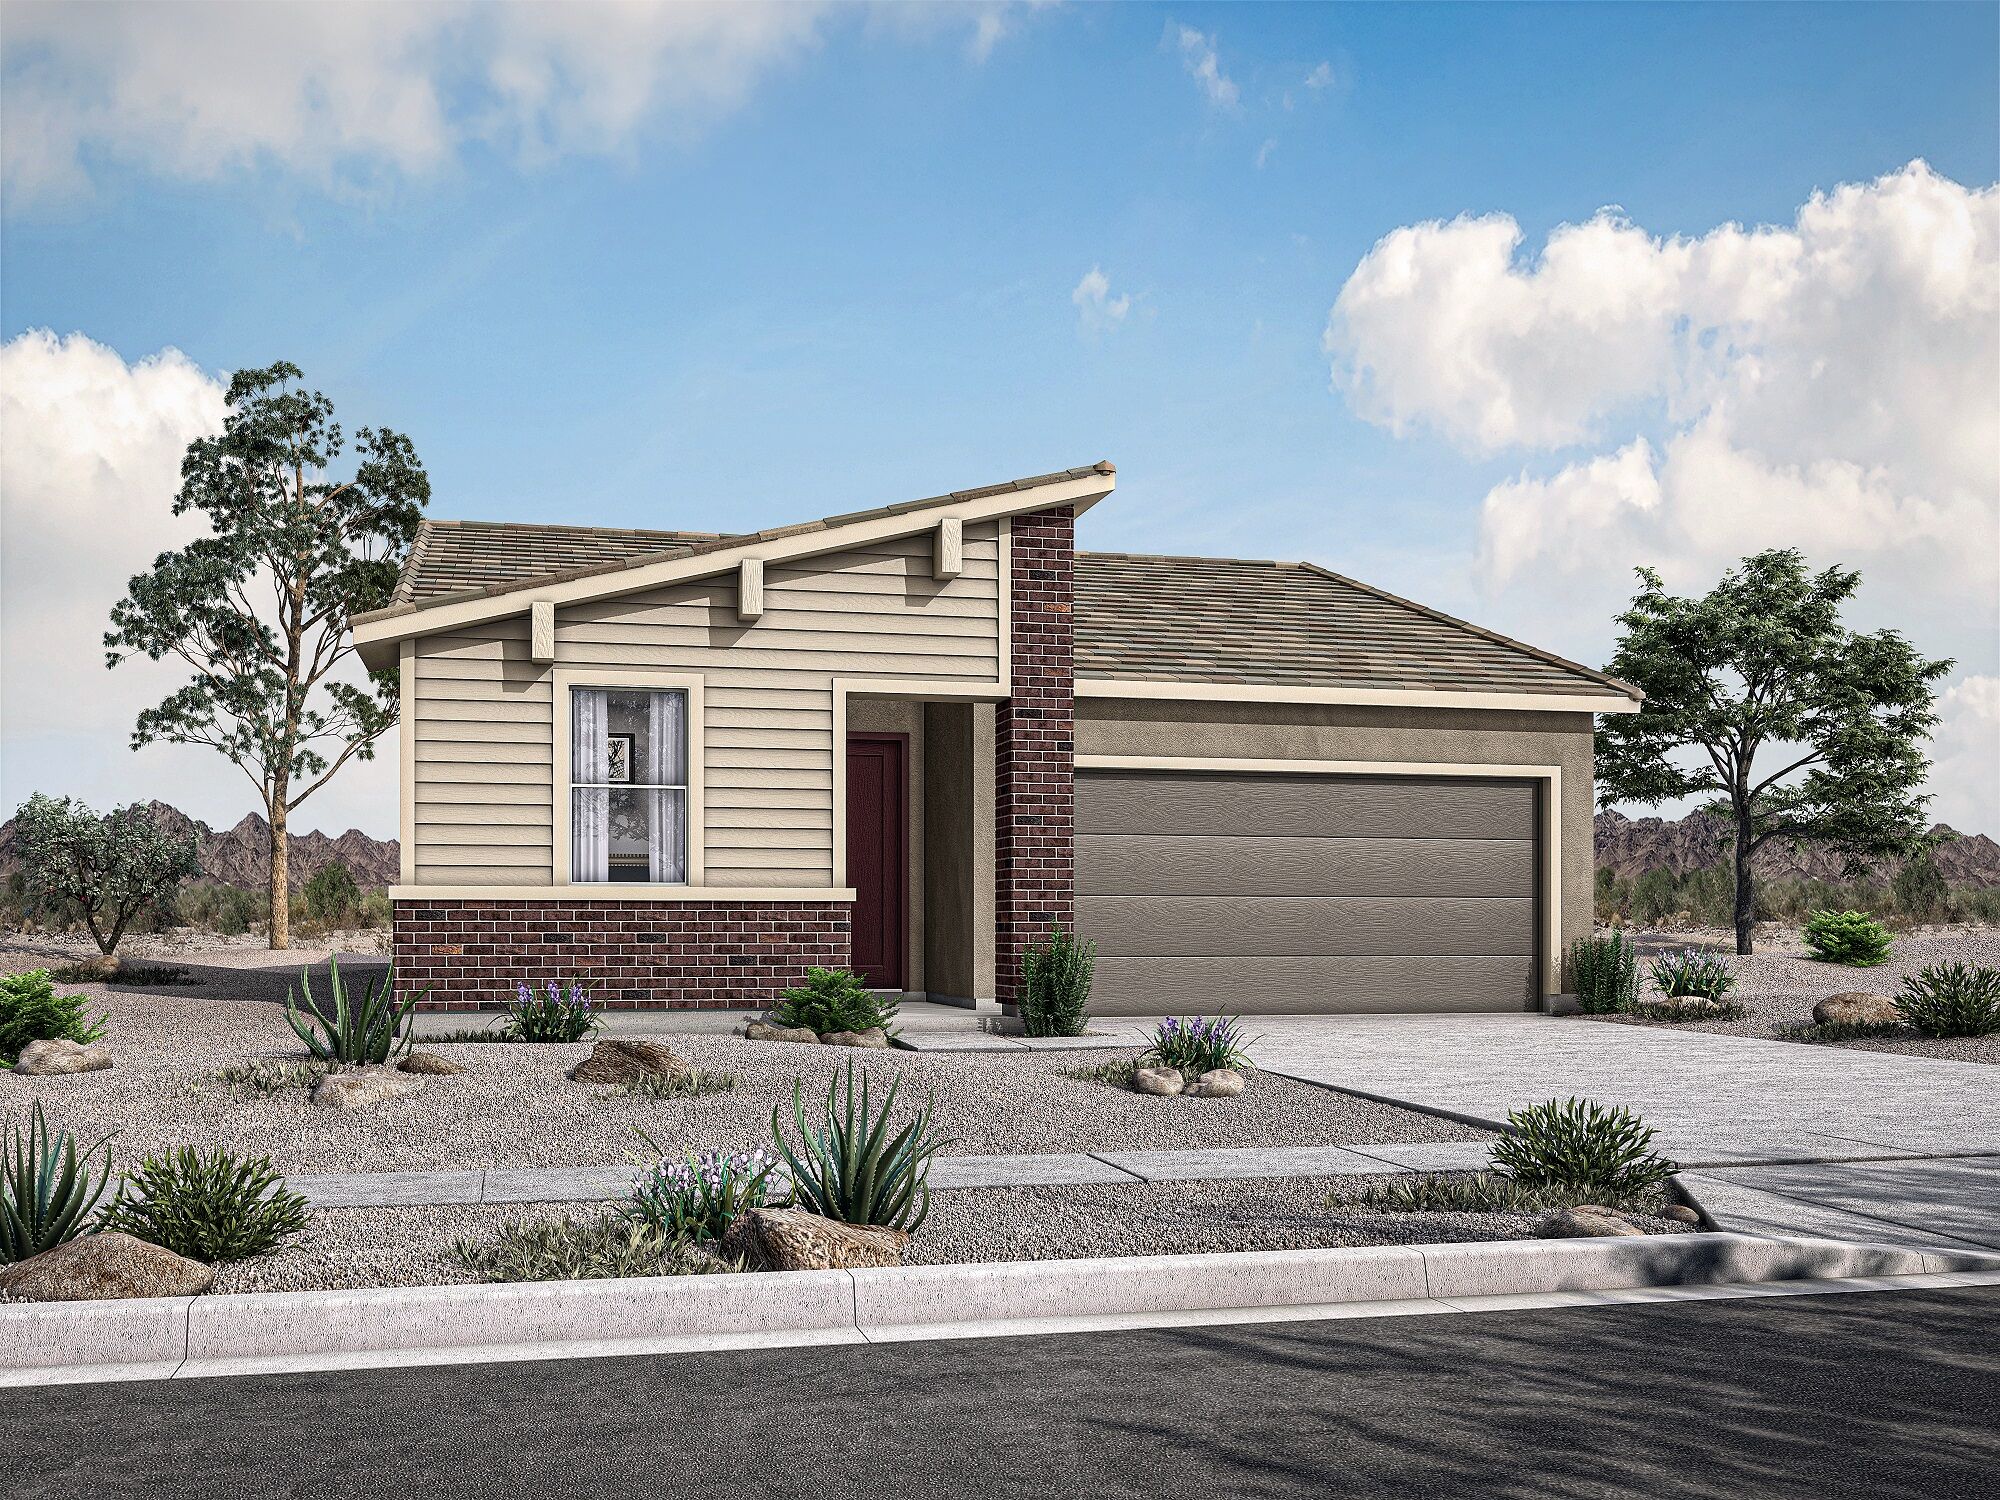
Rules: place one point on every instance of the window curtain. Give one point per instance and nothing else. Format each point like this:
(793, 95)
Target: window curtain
(666, 772)
(590, 804)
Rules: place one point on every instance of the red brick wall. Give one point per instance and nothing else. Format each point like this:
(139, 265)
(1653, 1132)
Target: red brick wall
(1035, 746)
(634, 954)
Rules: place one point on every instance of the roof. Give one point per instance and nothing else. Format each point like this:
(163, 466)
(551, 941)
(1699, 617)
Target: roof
(1214, 620)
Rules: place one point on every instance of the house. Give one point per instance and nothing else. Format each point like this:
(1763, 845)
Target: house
(908, 740)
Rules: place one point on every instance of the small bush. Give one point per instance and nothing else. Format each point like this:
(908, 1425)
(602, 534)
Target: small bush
(331, 896)
(1690, 973)
(1118, 1072)
(1846, 937)
(1954, 999)
(267, 1077)
(32, 1011)
(1580, 1145)
(46, 1195)
(1604, 973)
(552, 1013)
(371, 1030)
(209, 1206)
(473, 1034)
(1055, 985)
(692, 1084)
(698, 1197)
(834, 1000)
(851, 1168)
(1197, 1044)
(1475, 1193)
(568, 1249)
(1840, 1031)
(1920, 890)
(1677, 1009)
(226, 909)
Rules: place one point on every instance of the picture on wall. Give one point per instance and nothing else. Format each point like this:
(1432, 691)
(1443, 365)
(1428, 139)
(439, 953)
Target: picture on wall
(620, 758)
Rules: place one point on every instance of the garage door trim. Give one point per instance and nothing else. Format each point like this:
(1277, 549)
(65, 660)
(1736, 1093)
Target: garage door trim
(1548, 876)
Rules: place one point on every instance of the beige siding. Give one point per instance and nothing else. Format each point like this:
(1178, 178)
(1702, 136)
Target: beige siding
(484, 735)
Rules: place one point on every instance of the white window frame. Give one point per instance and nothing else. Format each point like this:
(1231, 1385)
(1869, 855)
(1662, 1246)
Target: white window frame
(619, 679)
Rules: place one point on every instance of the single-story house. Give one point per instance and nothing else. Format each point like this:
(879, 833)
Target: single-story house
(908, 740)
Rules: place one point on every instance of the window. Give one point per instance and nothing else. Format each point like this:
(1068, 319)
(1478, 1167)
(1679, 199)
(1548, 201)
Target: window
(628, 786)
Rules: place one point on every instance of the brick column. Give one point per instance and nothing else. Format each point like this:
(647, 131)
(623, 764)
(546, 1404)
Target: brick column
(1034, 832)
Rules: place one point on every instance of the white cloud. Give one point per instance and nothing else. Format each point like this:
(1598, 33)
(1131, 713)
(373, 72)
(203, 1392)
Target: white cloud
(1097, 310)
(1264, 152)
(1204, 66)
(1320, 77)
(88, 472)
(1965, 755)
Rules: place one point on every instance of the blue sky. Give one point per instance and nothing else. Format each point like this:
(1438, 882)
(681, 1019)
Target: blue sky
(859, 275)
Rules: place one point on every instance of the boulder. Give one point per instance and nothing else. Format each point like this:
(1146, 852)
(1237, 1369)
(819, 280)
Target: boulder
(430, 1062)
(59, 1055)
(1217, 1083)
(1165, 1082)
(361, 1088)
(627, 1060)
(1856, 1008)
(766, 1031)
(790, 1239)
(1583, 1222)
(104, 1265)
(1680, 1213)
(874, 1036)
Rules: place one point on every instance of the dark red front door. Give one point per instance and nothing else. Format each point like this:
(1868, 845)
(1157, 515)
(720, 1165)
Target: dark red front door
(878, 855)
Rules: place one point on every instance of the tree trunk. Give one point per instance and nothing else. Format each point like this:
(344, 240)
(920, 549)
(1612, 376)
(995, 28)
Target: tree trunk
(281, 875)
(1746, 894)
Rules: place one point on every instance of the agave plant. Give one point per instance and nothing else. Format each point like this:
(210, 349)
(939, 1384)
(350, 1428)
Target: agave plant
(854, 1169)
(370, 1030)
(46, 1194)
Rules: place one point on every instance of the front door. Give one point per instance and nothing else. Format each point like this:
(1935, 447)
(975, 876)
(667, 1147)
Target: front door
(878, 855)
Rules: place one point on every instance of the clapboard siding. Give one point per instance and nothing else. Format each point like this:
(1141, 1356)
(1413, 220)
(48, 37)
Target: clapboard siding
(483, 713)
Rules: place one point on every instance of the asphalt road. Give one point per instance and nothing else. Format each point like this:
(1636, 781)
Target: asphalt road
(1861, 1395)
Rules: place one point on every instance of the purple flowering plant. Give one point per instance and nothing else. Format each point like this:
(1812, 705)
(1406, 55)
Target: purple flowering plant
(553, 1012)
(1195, 1044)
(697, 1196)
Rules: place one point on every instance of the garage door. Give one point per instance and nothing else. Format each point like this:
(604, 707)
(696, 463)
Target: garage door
(1211, 891)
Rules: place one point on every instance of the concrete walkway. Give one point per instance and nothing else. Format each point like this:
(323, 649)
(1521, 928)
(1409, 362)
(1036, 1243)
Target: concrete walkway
(1952, 1203)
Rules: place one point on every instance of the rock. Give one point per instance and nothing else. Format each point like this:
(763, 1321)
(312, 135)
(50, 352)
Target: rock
(1856, 1008)
(790, 1239)
(874, 1036)
(627, 1060)
(101, 969)
(765, 1031)
(1165, 1082)
(104, 1265)
(40, 1059)
(359, 1089)
(1217, 1083)
(430, 1062)
(1680, 1213)
(1583, 1222)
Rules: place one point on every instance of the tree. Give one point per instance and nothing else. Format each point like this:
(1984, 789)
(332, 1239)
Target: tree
(1763, 663)
(111, 868)
(259, 609)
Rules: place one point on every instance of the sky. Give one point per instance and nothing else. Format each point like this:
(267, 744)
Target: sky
(1484, 305)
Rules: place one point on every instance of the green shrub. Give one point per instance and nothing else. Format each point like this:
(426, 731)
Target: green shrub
(1920, 890)
(1118, 1072)
(226, 909)
(213, 1206)
(568, 1249)
(1954, 999)
(1476, 1193)
(1676, 1009)
(32, 1011)
(852, 1169)
(1055, 985)
(697, 1197)
(331, 896)
(267, 1077)
(1197, 1044)
(1580, 1145)
(1691, 973)
(46, 1195)
(692, 1084)
(1656, 896)
(550, 1013)
(1846, 937)
(1840, 1031)
(372, 1030)
(834, 1000)
(1604, 973)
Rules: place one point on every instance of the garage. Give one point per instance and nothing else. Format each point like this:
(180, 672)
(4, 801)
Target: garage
(1241, 892)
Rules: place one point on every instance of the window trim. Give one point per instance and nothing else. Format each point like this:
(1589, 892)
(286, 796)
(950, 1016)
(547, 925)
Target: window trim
(628, 679)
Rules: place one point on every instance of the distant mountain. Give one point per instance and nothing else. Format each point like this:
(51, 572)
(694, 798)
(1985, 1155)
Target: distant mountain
(241, 856)
(1632, 846)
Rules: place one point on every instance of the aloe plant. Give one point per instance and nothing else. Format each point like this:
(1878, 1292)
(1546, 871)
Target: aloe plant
(854, 1169)
(371, 1030)
(46, 1194)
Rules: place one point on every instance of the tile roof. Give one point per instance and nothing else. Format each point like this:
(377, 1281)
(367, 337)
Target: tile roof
(1223, 620)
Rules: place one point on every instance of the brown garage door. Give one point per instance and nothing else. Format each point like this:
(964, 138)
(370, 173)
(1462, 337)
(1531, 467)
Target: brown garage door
(1217, 891)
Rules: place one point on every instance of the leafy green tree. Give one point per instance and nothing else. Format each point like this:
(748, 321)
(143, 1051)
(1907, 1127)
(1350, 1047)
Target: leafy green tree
(1762, 666)
(110, 868)
(258, 610)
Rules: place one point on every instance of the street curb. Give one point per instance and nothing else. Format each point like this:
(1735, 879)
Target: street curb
(272, 1332)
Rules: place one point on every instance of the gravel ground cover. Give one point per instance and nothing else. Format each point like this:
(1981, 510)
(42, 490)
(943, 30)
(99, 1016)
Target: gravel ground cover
(29, 950)
(1778, 984)
(514, 1106)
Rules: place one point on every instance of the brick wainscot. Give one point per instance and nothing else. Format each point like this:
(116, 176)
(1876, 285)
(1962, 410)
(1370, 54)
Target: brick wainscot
(634, 954)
